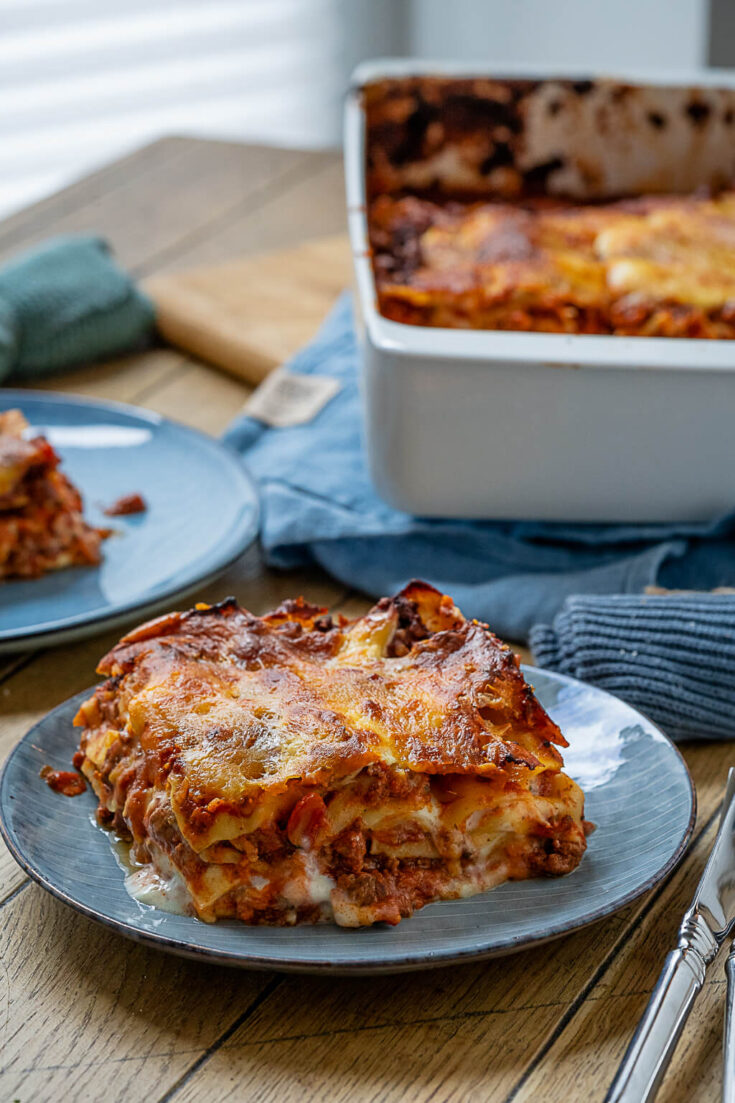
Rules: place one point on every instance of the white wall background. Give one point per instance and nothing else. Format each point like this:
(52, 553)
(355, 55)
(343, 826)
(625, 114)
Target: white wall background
(84, 81)
(595, 33)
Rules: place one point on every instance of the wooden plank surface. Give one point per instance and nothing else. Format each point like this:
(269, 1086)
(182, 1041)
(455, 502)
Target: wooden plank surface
(85, 1014)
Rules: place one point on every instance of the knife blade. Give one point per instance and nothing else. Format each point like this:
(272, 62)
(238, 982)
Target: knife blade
(705, 926)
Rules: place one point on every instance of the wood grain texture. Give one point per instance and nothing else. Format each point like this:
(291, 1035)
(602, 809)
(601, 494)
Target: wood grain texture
(125, 379)
(24, 227)
(250, 315)
(312, 206)
(184, 192)
(85, 1014)
(95, 1017)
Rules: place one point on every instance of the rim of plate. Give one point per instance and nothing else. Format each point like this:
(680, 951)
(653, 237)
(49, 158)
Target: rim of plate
(224, 555)
(403, 964)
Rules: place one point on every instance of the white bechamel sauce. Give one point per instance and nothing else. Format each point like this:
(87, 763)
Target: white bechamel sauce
(168, 894)
(320, 887)
(309, 885)
(162, 888)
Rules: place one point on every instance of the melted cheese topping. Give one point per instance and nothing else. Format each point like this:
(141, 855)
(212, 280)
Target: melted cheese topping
(500, 265)
(274, 708)
(682, 253)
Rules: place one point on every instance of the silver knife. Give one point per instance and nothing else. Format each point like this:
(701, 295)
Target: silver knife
(706, 925)
(728, 1040)
(728, 1037)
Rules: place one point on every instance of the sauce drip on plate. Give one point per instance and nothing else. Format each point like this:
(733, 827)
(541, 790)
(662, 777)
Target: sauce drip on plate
(66, 782)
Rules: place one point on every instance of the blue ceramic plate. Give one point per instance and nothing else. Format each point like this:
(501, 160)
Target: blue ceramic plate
(638, 793)
(202, 514)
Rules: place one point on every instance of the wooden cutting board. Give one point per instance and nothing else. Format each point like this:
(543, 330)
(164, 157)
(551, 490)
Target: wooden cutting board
(248, 316)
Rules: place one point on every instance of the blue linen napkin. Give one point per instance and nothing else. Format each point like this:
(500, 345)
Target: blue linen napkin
(318, 506)
(67, 302)
(673, 656)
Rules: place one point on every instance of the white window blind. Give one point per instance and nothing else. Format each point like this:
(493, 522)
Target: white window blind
(83, 81)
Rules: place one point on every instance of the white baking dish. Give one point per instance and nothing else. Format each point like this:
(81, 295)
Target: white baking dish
(484, 424)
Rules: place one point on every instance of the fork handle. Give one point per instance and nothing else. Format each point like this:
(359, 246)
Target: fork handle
(728, 1041)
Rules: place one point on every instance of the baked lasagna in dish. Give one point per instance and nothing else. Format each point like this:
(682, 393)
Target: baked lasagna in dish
(294, 768)
(41, 522)
(659, 266)
(468, 231)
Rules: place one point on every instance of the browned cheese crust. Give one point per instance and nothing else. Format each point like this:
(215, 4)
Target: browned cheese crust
(295, 768)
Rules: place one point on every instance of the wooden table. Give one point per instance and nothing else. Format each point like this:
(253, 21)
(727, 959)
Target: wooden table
(87, 1015)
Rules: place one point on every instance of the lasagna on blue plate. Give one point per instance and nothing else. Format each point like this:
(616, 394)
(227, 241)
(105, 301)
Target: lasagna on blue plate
(41, 523)
(298, 768)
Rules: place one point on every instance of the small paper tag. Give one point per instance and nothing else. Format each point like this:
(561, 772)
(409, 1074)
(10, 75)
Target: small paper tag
(284, 398)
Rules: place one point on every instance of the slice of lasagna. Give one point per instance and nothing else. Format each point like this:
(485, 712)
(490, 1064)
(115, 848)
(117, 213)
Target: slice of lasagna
(292, 768)
(41, 522)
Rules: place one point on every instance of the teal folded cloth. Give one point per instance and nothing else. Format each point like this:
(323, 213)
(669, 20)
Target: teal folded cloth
(65, 303)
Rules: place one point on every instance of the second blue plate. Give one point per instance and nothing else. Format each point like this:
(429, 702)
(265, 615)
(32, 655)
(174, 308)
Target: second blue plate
(202, 514)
